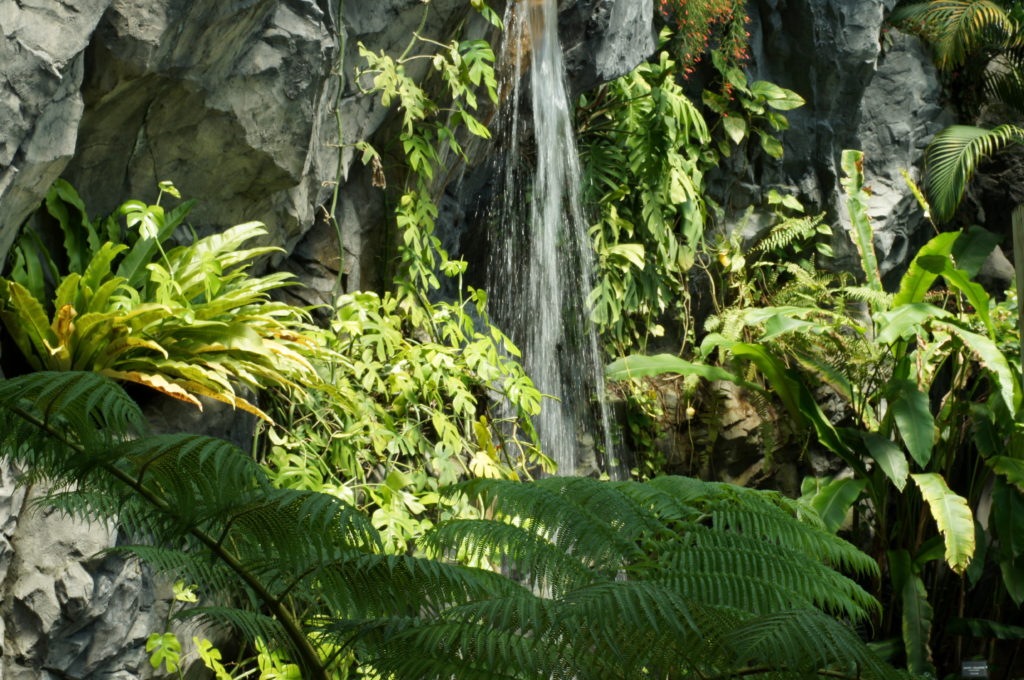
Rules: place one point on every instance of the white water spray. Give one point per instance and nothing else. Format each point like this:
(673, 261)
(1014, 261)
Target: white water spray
(542, 263)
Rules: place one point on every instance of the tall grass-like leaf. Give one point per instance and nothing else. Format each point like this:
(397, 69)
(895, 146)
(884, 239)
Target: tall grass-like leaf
(952, 516)
(856, 203)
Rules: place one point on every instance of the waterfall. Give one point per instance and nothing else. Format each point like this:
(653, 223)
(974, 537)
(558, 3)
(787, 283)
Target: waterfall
(541, 260)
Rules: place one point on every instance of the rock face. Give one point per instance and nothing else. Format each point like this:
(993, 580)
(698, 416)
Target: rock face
(234, 101)
(867, 88)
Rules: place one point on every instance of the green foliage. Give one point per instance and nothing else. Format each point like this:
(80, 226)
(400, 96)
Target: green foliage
(188, 322)
(724, 578)
(953, 156)
(400, 414)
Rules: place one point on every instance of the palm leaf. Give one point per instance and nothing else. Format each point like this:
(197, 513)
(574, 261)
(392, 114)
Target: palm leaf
(952, 157)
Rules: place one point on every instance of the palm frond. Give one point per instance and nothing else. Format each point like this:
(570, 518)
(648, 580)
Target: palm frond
(956, 28)
(953, 156)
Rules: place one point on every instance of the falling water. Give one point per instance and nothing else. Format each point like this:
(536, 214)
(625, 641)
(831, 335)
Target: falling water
(541, 265)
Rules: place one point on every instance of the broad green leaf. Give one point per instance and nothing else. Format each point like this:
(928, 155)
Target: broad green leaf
(1008, 519)
(985, 628)
(735, 128)
(889, 457)
(974, 293)
(972, 249)
(1013, 577)
(917, 613)
(994, 361)
(1013, 470)
(833, 502)
(918, 280)
(779, 325)
(982, 541)
(776, 97)
(771, 144)
(912, 411)
(640, 366)
(904, 322)
(165, 649)
(952, 516)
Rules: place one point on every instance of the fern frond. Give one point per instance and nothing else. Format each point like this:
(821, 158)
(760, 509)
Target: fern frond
(789, 230)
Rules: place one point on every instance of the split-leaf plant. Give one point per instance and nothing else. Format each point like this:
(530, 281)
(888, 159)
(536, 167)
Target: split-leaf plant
(931, 419)
(189, 321)
(674, 578)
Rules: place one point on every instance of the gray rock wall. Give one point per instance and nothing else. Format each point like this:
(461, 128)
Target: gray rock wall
(865, 90)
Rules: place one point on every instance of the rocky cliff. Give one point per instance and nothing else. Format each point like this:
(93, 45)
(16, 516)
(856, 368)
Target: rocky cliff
(235, 100)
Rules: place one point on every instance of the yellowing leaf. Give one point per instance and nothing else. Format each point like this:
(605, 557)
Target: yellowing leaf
(952, 516)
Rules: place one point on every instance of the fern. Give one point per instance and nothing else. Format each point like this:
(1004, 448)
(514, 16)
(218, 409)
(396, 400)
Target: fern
(788, 231)
(622, 580)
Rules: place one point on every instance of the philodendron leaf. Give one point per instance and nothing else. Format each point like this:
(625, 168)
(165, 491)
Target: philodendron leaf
(889, 456)
(833, 502)
(952, 516)
(914, 418)
(917, 613)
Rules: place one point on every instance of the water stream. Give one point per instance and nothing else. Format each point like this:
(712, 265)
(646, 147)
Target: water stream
(541, 262)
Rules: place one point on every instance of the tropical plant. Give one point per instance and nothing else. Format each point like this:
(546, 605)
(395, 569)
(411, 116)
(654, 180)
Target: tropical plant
(726, 580)
(189, 321)
(400, 414)
(931, 398)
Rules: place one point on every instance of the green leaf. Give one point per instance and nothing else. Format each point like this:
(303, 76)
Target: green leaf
(972, 249)
(856, 202)
(952, 157)
(778, 98)
(164, 648)
(735, 128)
(1013, 470)
(890, 458)
(1012, 571)
(952, 516)
(904, 322)
(917, 613)
(833, 502)
(771, 144)
(912, 411)
(640, 366)
(985, 628)
(1008, 519)
(918, 280)
(994, 361)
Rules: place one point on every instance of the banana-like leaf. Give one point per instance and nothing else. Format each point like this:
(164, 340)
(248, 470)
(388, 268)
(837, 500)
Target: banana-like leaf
(889, 456)
(1013, 470)
(985, 628)
(913, 415)
(833, 502)
(972, 248)
(640, 366)
(993, 360)
(1008, 519)
(917, 613)
(918, 280)
(953, 156)
(904, 322)
(1012, 571)
(952, 516)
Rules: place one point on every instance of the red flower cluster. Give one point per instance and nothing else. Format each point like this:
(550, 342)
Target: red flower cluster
(704, 25)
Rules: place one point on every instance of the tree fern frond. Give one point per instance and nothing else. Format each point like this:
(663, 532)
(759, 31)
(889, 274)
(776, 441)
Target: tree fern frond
(868, 295)
(952, 157)
(790, 230)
